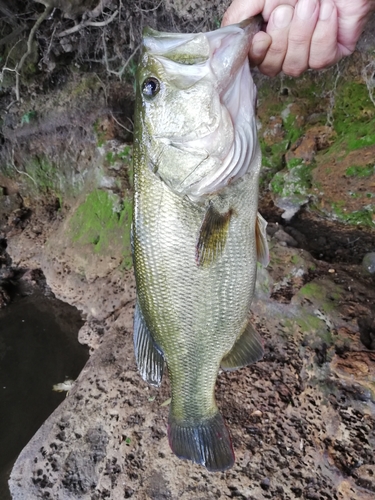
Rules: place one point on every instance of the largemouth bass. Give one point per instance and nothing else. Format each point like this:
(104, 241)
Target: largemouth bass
(196, 233)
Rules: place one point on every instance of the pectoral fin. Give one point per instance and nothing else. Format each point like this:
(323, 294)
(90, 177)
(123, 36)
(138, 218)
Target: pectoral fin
(212, 235)
(150, 361)
(247, 349)
(261, 240)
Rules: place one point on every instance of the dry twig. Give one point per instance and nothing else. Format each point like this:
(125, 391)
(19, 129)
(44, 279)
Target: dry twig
(121, 125)
(30, 40)
(20, 171)
(97, 24)
(121, 72)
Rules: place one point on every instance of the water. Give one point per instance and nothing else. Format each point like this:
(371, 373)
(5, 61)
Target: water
(38, 348)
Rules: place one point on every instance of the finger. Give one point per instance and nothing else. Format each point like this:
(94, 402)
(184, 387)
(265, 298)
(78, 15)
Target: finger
(324, 50)
(278, 30)
(300, 35)
(259, 46)
(352, 17)
(240, 10)
(243, 9)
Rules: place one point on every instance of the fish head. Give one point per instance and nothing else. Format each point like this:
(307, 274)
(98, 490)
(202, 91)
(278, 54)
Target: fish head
(196, 105)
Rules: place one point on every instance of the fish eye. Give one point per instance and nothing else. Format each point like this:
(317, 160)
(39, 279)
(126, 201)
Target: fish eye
(150, 87)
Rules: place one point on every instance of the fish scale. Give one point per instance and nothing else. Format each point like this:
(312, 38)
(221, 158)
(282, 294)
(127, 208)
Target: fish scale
(194, 261)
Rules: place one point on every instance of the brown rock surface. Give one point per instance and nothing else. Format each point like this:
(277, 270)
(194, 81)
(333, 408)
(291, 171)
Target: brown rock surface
(302, 419)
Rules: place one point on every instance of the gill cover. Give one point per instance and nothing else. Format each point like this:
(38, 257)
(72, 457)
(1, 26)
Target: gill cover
(200, 125)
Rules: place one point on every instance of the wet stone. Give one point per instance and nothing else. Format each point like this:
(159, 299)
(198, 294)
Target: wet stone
(265, 483)
(368, 262)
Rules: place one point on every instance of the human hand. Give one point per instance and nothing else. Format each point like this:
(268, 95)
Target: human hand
(302, 34)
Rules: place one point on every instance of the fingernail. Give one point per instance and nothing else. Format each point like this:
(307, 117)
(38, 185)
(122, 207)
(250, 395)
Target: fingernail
(326, 9)
(305, 9)
(282, 16)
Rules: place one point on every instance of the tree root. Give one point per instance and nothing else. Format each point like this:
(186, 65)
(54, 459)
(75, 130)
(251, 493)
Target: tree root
(97, 24)
(30, 40)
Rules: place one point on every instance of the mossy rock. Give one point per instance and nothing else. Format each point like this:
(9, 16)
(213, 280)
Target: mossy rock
(103, 222)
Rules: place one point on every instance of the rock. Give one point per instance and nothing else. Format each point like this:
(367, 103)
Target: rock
(265, 484)
(314, 139)
(272, 228)
(367, 331)
(108, 439)
(274, 131)
(282, 236)
(366, 476)
(368, 262)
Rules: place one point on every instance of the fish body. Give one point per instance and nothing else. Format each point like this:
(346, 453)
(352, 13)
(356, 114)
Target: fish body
(196, 233)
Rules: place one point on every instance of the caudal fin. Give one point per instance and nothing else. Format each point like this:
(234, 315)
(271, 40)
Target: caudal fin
(207, 443)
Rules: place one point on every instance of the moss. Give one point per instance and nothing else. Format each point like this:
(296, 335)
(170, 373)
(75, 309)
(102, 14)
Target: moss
(28, 117)
(293, 162)
(122, 160)
(293, 131)
(86, 84)
(354, 117)
(273, 154)
(361, 171)
(100, 133)
(124, 155)
(295, 259)
(277, 184)
(364, 217)
(310, 322)
(294, 182)
(312, 290)
(102, 222)
(327, 337)
(327, 300)
(43, 174)
(277, 103)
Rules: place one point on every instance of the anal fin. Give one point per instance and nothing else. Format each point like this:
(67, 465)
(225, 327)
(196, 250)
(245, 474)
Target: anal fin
(212, 235)
(247, 349)
(150, 361)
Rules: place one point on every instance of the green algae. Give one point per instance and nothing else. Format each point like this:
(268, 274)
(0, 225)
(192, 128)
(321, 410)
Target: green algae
(103, 222)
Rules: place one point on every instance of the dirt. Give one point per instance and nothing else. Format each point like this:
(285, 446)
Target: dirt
(336, 175)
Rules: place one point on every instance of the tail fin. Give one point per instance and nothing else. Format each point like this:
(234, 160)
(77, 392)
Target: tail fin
(206, 443)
